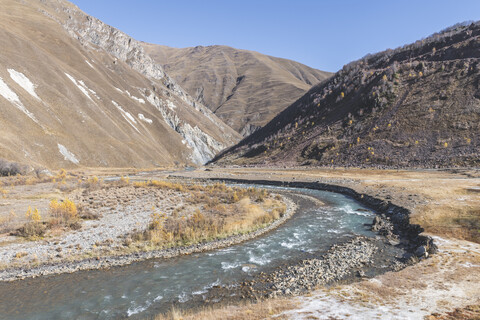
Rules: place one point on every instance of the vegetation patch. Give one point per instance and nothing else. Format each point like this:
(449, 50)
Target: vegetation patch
(62, 215)
(209, 212)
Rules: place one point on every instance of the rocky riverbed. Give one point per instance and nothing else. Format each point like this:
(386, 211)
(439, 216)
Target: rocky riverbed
(102, 262)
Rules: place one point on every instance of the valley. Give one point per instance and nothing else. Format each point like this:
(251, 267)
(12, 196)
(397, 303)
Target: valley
(152, 177)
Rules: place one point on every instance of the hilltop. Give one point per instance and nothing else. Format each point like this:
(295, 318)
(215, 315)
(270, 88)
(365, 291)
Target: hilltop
(246, 89)
(77, 92)
(415, 106)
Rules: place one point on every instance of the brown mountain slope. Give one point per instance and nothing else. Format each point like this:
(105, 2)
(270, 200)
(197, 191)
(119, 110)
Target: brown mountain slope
(244, 88)
(74, 91)
(416, 106)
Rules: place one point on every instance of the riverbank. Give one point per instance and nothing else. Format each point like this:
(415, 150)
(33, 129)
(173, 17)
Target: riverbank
(114, 261)
(117, 236)
(437, 285)
(398, 244)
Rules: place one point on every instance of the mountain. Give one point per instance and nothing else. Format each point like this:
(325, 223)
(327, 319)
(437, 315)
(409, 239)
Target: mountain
(415, 106)
(244, 88)
(75, 91)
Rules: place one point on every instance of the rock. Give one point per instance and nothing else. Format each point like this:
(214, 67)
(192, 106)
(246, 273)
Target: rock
(377, 223)
(421, 251)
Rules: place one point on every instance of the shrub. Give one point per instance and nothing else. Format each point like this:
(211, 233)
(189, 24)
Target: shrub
(66, 208)
(8, 168)
(34, 228)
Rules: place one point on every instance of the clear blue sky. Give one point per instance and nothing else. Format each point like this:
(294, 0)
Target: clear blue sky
(322, 34)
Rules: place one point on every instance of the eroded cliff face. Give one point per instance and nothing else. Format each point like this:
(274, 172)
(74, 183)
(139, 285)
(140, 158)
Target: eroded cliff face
(85, 93)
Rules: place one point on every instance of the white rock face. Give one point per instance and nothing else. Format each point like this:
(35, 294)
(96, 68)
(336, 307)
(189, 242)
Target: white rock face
(67, 154)
(203, 146)
(23, 82)
(11, 96)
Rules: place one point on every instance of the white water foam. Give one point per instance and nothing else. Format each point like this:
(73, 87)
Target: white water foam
(258, 260)
(137, 309)
(333, 231)
(23, 82)
(183, 297)
(197, 293)
(348, 209)
(227, 265)
(213, 284)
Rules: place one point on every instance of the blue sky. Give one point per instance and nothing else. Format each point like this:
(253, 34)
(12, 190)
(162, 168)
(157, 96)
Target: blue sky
(322, 34)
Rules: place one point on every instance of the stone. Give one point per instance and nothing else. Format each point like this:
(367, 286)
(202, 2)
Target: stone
(421, 251)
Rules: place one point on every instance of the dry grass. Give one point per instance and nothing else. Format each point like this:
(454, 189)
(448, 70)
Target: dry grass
(444, 203)
(263, 309)
(211, 211)
(62, 215)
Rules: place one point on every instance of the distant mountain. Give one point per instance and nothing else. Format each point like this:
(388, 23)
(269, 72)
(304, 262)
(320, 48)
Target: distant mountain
(415, 106)
(244, 88)
(75, 91)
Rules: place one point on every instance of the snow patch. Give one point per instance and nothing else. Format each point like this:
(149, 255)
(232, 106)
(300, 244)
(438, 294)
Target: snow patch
(142, 117)
(67, 154)
(23, 82)
(82, 87)
(89, 64)
(127, 116)
(323, 306)
(135, 98)
(11, 96)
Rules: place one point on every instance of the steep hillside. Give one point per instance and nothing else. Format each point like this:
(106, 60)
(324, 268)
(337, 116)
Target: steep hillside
(74, 91)
(416, 106)
(244, 88)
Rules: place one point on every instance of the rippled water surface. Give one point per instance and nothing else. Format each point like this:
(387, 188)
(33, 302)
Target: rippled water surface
(150, 287)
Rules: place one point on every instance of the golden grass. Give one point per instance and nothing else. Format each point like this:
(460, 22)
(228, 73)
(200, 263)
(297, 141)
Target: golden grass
(263, 309)
(62, 215)
(447, 202)
(211, 211)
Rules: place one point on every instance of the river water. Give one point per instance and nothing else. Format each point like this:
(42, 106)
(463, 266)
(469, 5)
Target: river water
(150, 287)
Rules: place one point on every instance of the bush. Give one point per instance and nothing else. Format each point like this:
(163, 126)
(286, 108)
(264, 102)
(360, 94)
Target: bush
(8, 168)
(65, 210)
(34, 228)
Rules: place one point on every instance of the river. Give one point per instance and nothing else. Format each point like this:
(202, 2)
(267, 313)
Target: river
(150, 287)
